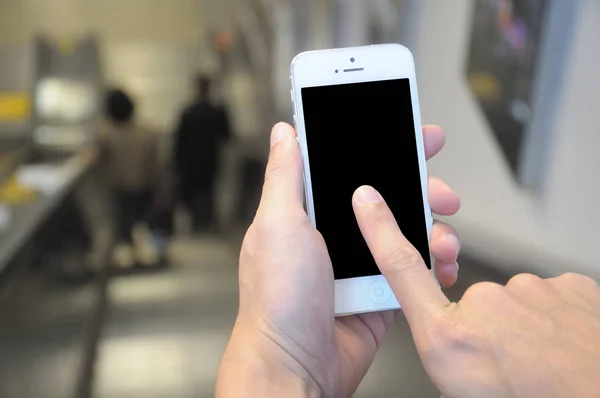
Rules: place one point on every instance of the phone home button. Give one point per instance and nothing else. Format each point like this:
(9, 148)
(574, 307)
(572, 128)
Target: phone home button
(379, 292)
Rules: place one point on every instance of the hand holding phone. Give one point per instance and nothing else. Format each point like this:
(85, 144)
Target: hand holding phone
(286, 341)
(286, 313)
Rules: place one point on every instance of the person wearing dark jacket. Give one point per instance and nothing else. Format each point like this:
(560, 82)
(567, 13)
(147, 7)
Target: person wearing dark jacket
(203, 130)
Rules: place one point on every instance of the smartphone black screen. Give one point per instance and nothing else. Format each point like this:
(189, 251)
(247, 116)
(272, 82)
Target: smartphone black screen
(363, 134)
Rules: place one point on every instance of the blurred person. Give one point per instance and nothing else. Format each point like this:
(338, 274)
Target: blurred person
(203, 130)
(531, 338)
(132, 156)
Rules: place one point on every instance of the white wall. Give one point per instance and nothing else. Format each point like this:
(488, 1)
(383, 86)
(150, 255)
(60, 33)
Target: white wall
(548, 233)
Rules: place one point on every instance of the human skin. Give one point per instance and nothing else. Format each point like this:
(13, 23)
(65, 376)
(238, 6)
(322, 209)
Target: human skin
(286, 340)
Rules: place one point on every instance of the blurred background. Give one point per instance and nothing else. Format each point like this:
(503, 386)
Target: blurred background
(118, 267)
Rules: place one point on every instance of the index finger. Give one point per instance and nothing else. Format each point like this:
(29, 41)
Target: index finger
(419, 295)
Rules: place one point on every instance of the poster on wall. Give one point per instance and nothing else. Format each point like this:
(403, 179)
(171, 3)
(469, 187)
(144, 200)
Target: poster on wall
(506, 41)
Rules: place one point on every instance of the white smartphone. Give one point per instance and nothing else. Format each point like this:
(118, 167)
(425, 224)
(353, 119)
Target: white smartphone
(358, 122)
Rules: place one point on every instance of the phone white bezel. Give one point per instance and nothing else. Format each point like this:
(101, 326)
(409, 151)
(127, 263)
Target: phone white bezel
(371, 63)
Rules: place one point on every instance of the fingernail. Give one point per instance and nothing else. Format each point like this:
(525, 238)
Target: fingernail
(280, 133)
(453, 240)
(368, 194)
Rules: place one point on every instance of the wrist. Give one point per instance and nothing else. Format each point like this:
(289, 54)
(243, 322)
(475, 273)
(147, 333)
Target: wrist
(251, 367)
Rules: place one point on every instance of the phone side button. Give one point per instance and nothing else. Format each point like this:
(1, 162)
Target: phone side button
(296, 128)
(379, 292)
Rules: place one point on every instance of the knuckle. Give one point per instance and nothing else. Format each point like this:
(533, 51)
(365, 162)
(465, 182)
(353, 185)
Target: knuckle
(274, 167)
(277, 221)
(525, 281)
(382, 220)
(579, 281)
(401, 259)
(482, 291)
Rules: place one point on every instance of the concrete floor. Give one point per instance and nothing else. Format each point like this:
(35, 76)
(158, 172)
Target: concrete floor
(43, 331)
(162, 333)
(165, 331)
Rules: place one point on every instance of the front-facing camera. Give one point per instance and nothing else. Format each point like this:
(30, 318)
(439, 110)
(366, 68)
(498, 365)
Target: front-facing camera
(352, 59)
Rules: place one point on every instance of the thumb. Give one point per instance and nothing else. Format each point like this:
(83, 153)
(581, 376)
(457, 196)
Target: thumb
(401, 264)
(284, 186)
